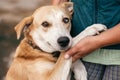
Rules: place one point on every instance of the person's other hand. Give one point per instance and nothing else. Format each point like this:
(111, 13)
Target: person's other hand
(56, 2)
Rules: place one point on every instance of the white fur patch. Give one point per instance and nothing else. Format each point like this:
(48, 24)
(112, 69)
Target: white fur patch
(47, 40)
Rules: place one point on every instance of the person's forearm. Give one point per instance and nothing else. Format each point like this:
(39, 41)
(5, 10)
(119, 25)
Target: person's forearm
(109, 37)
(55, 2)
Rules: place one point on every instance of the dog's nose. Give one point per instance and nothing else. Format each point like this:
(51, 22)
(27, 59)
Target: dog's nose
(63, 41)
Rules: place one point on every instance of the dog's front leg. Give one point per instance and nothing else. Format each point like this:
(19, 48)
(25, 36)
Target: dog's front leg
(78, 68)
(61, 69)
(89, 31)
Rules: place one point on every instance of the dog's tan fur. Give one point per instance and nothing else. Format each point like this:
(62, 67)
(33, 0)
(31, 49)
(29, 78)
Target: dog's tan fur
(27, 60)
(23, 66)
(33, 62)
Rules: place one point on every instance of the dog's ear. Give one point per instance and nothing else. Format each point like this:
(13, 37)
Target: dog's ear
(68, 6)
(24, 23)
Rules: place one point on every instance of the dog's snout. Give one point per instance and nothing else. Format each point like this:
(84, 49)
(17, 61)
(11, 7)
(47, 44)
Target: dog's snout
(63, 41)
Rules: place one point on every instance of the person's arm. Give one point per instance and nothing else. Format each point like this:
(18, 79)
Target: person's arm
(91, 43)
(55, 2)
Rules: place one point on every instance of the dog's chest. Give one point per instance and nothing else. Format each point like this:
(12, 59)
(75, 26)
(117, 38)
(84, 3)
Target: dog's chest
(40, 68)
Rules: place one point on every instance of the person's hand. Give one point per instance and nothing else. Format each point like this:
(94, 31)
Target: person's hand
(56, 2)
(83, 48)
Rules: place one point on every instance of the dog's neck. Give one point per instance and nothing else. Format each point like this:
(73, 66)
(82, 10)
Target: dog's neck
(34, 46)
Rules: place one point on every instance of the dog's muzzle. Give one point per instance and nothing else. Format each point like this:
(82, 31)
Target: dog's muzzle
(63, 41)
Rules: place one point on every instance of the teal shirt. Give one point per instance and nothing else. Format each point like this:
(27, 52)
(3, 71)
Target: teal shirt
(88, 12)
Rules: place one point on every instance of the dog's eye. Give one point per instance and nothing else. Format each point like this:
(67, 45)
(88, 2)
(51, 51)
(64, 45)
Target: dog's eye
(65, 20)
(45, 24)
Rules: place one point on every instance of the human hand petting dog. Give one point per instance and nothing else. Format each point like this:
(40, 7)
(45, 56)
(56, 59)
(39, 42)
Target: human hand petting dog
(55, 2)
(89, 44)
(84, 47)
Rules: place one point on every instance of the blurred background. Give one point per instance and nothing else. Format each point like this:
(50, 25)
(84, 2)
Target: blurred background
(11, 12)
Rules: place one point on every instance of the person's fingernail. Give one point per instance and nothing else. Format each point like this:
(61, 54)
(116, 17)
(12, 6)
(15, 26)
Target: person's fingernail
(67, 56)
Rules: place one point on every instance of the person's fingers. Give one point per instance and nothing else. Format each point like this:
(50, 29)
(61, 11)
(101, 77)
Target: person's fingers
(76, 57)
(55, 2)
(71, 52)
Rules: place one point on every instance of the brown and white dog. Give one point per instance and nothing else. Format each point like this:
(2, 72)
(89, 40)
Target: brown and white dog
(47, 34)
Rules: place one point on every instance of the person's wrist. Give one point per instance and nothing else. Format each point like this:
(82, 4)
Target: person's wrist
(97, 41)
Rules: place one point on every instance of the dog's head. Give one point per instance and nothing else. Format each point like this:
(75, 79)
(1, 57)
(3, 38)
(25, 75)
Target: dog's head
(49, 27)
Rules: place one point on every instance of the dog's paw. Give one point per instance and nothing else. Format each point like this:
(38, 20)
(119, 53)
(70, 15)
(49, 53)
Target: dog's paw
(95, 29)
(79, 70)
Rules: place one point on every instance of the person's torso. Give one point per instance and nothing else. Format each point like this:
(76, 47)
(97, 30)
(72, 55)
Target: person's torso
(88, 12)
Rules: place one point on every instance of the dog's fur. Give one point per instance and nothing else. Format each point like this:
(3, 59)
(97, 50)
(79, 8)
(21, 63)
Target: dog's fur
(34, 59)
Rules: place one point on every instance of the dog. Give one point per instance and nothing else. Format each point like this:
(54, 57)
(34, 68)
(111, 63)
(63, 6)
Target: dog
(40, 55)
